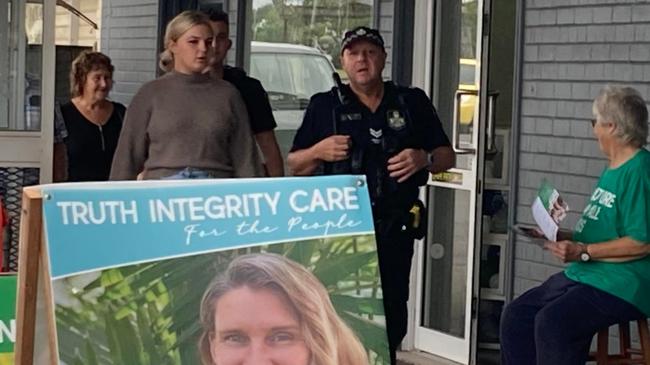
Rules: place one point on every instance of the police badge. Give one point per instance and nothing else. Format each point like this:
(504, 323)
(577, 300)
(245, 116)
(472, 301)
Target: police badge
(395, 120)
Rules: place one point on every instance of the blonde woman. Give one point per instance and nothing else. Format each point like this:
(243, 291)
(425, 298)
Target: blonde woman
(186, 124)
(268, 309)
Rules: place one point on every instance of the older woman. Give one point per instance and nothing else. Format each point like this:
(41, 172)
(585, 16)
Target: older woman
(90, 123)
(186, 124)
(608, 277)
(267, 309)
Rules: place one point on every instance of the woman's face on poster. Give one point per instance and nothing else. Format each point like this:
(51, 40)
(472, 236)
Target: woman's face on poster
(257, 326)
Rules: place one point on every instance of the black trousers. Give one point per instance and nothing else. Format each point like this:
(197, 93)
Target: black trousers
(553, 324)
(395, 251)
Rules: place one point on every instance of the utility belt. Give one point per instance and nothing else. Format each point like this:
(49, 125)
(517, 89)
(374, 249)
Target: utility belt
(412, 221)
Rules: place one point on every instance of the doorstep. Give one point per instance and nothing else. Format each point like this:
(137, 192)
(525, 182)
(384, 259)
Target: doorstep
(421, 358)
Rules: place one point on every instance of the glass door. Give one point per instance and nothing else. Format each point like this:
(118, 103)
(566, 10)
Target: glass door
(446, 297)
(27, 68)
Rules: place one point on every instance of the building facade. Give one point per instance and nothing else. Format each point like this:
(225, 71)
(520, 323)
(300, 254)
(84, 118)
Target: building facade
(513, 82)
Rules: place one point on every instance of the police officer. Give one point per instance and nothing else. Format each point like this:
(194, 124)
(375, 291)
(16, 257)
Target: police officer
(392, 135)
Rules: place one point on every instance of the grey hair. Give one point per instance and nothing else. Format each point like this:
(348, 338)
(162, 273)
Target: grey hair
(626, 109)
(175, 29)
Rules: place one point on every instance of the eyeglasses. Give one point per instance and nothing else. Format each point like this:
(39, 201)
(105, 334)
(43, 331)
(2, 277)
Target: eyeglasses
(595, 121)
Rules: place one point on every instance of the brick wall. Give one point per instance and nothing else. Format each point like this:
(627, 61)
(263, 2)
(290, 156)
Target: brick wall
(385, 25)
(572, 48)
(129, 35)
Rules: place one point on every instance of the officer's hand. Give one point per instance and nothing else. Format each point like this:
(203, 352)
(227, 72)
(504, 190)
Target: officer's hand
(407, 163)
(333, 148)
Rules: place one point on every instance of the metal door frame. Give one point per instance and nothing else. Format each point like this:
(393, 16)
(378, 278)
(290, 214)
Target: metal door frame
(421, 338)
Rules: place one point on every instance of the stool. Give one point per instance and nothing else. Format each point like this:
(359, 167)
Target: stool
(627, 355)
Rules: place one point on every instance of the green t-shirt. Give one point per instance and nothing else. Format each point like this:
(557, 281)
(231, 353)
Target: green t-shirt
(619, 207)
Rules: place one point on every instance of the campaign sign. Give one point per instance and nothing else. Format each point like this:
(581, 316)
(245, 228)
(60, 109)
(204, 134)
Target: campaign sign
(215, 272)
(7, 318)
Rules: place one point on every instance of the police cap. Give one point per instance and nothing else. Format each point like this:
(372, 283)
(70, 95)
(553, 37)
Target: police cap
(362, 34)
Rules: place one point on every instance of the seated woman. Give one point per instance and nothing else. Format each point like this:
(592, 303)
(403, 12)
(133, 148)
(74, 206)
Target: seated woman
(186, 124)
(608, 277)
(90, 123)
(267, 309)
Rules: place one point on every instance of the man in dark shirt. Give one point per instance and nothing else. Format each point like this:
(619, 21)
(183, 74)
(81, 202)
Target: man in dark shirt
(392, 135)
(251, 90)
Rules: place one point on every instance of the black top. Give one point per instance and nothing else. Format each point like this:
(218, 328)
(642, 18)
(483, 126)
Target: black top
(255, 97)
(90, 147)
(404, 119)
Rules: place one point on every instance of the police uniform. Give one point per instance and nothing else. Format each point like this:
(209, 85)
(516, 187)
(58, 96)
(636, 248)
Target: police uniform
(404, 119)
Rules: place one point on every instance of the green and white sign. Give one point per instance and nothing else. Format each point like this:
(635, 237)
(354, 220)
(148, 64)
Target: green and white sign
(7, 318)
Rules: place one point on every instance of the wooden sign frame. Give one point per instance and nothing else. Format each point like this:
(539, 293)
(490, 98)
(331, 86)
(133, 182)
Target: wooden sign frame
(33, 281)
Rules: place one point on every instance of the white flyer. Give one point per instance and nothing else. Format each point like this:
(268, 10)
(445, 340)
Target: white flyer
(549, 209)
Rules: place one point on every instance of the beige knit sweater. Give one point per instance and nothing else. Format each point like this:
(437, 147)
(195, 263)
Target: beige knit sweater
(179, 121)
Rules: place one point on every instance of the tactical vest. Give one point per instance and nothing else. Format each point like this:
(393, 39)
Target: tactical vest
(372, 146)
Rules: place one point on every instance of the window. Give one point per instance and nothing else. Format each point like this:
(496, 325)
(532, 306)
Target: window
(318, 24)
(5, 89)
(301, 75)
(21, 44)
(21, 29)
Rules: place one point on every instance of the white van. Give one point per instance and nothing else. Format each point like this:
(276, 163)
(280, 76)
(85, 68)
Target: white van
(291, 74)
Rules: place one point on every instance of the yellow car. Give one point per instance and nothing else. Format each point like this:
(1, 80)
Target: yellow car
(466, 82)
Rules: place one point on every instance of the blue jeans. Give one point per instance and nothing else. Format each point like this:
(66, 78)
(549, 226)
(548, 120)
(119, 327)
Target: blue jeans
(190, 173)
(554, 323)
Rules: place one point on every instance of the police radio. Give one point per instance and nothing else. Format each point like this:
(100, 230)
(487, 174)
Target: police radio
(343, 97)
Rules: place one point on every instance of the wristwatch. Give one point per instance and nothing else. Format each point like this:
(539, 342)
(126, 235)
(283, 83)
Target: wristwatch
(584, 254)
(429, 160)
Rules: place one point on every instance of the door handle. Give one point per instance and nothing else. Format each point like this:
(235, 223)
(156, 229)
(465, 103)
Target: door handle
(490, 143)
(467, 147)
